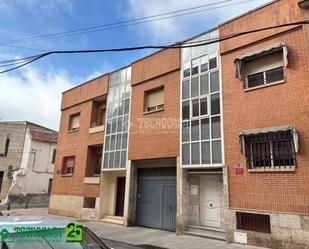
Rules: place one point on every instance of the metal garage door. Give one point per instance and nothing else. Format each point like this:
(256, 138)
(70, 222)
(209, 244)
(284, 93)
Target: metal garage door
(156, 198)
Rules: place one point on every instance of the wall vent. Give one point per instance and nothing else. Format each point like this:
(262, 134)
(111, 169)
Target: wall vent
(253, 222)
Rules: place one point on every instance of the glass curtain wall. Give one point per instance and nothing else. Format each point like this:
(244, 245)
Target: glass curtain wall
(201, 135)
(117, 120)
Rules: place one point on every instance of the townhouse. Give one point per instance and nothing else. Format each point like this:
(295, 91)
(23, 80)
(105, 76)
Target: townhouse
(77, 172)
(27, 154)
(204, 140)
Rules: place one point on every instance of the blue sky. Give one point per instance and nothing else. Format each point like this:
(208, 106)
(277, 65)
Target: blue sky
(34, 92)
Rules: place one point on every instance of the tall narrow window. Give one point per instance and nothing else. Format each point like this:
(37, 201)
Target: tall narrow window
(201, 139)
(7, 144)
(53, 156)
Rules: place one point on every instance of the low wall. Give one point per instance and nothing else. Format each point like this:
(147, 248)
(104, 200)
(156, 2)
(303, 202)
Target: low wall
(32, 199)
(288, 231)
(66, 205)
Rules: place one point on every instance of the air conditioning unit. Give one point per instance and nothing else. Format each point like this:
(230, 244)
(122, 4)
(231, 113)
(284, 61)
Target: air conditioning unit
(10, 174)
(11, 168)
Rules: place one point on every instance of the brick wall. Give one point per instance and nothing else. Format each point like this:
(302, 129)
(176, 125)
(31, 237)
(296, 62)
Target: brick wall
(282, 104)
(155, 135)
(78, 99)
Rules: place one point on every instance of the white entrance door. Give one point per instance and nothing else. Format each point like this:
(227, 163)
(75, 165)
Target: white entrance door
(209, 200)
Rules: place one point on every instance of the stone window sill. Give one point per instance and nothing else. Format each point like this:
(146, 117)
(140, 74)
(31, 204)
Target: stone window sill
(146, 113)
(272, 169)
(72, 131)
(67, 175)
(265, 85)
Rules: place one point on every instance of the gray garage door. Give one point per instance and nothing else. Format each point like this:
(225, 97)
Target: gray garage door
(156, 198)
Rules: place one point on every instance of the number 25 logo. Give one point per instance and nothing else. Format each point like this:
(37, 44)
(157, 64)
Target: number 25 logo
(74, 232)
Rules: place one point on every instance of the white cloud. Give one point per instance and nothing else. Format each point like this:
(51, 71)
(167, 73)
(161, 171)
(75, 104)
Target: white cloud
(33, 96)
(105, 67)
(178, 28)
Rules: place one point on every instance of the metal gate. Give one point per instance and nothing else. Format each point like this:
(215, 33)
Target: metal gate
(156, 198)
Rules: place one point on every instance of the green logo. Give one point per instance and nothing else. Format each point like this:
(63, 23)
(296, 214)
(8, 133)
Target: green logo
(4, 234)
(74, 232)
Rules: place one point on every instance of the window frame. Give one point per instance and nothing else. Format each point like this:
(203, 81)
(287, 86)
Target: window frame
(264, 78)
(271, 156)
(157, 108)
(64, 166)
(54, 154)
(272, 67)
(70, 122)
(209, 116)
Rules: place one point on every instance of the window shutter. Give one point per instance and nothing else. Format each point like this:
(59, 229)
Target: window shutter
(155, 98)
(70, 162)
(264, 63)
(75, 122)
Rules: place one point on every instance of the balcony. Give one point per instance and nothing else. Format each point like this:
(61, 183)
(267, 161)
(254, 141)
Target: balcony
(98, 112)
(94, 164)
(96, 129)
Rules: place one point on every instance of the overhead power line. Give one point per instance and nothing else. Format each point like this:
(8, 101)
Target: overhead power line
(120, 24)
(31, 59)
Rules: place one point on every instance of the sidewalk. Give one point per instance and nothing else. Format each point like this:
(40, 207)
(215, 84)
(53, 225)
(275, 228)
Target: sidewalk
(139, 236)
(163, 239)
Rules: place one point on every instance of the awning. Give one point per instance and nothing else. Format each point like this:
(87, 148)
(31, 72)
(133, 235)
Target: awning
(258, 53)
(283, 128)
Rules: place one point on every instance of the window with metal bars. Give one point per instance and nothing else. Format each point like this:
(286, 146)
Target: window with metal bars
(270, 150)
(253, 222)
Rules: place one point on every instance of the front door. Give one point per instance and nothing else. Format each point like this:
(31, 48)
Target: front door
(121, 184)
(209, 200)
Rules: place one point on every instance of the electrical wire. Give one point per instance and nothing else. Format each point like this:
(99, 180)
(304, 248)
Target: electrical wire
(110, 25)
(172, 46)
(116, 25)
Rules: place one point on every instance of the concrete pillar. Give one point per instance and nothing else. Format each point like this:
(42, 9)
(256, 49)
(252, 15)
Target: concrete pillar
(179, 196)
(126, 212)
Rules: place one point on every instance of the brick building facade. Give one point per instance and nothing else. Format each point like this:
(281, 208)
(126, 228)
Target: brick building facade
(280, 193)
(207, 140)
(75, 191)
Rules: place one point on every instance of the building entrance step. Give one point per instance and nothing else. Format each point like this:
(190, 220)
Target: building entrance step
(206, 232)
(113, 219)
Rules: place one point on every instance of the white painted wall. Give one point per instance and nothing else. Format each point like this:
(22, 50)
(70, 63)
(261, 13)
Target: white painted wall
(36, 168)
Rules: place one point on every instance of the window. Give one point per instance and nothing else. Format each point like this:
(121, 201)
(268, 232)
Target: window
(201, 117)
(53, 156)
(50, 185)
(117, 122)
(253, 222)
(74, 122)
(264, 69)
(270, 150)
(154, 100)
(89, 202)
(68, 165)
(4, 147)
